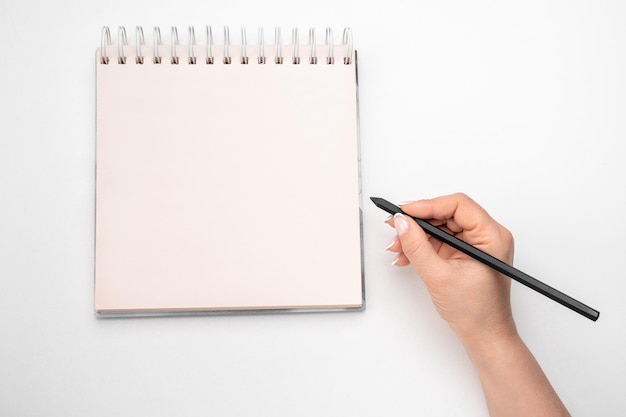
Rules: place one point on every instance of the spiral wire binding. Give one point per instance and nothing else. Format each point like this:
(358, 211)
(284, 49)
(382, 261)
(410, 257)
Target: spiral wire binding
(192, 45)
(244, 56)
(174, 45)
(313, 55)
(279, 46)
(156, 58)
(227, 59)
(104, 42)
(347, 40)
(139, 42)
(122, 42)
(209, 45)
(296, 46)
(261, 47)
(330, 59)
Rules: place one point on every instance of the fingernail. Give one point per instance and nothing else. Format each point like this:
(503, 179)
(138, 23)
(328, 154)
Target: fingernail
(390, 244)
(406, 202)
(400, 222)
(388, 219)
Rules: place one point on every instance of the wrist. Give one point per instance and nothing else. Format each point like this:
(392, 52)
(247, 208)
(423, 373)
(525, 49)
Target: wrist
(512, 380)
(490, 341)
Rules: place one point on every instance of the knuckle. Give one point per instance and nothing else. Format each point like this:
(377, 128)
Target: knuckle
(507, 237)
(460, 196)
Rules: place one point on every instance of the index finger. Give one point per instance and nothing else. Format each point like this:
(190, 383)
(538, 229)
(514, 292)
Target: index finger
(460, 208)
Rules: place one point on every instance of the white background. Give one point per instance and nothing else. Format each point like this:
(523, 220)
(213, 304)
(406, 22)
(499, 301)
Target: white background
(518, 104)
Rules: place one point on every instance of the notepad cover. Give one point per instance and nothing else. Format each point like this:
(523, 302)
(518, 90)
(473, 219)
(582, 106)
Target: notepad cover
(226, 188)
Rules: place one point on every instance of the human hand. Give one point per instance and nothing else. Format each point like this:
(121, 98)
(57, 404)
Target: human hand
(475, 301)
(471, 297)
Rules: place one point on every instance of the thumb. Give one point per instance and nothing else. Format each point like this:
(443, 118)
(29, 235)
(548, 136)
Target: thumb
(416, 246)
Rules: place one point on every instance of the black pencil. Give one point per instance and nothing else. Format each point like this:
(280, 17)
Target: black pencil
(494, 263)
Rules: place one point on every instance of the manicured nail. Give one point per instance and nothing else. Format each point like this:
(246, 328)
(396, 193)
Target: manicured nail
(388, 218)
(390, 244)
(400, 222)
(395, 261)
(406, 202)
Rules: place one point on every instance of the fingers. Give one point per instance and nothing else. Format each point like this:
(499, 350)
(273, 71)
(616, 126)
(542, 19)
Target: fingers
(400, 259)
(461, 216)
(457, 211)
(394, 245)
(434, 222)
(415, 246)
(450, 227)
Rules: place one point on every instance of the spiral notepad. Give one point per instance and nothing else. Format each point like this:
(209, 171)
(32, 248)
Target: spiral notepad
(227, 174)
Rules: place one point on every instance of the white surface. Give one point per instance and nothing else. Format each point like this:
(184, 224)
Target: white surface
(520, 105)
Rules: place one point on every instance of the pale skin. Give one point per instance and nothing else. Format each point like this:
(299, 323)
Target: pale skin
(475, 301)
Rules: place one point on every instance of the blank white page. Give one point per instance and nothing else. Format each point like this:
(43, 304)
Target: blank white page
(226, 187)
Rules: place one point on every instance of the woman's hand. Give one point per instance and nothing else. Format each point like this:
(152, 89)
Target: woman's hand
(475, 301)
(473, 298)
